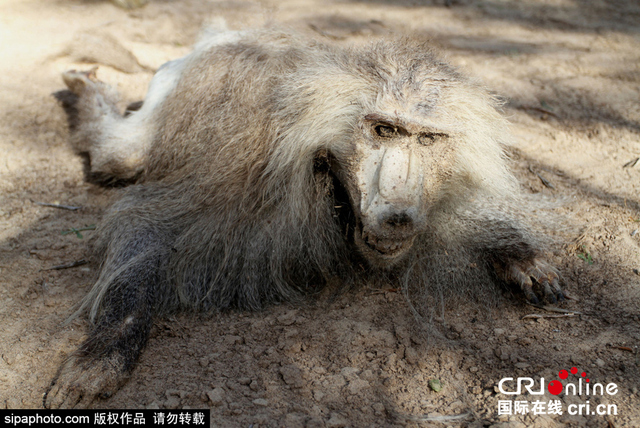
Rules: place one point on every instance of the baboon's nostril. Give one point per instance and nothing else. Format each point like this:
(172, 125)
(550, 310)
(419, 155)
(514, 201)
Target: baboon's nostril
(398, 220)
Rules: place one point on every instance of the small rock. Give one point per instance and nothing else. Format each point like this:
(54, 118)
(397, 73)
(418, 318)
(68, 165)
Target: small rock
(295, 420)
(172, 402)
(357, 385)
(502, 353)
(435, 385)
(336, 421)
(244, 381)
(233, 340)
(368, 375)
(349, 373)
(599, 362)
(473, 369)
(335, 381)
(378, 409)
(411, 355)
(498, 331)
(522, 365)
(525, 341)
(153, 405)
(510, 424)
(292, 376)
(216, 396)
(317, 394)
(314, 423)
(175, 393)
(260, 402)
(288, 318)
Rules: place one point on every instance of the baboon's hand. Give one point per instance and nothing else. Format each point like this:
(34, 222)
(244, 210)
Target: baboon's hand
(80, 380)
(537, 280)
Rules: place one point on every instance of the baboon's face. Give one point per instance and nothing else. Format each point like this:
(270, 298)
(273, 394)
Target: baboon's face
(394, 178)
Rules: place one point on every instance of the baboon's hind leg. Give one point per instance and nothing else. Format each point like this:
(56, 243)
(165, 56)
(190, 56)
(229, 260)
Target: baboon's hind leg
(113, 146)
(128, 299)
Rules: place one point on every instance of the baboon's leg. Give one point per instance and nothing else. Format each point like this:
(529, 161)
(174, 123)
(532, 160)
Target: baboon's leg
(116, 147)
(105, 360)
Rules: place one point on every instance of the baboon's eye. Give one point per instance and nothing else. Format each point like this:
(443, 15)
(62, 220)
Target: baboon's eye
(385, 131)
(429, 137)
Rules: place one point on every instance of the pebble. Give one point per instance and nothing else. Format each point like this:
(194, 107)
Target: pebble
(411, 355)
(314, 423)
(153, 405)
(292, 376)
(172, 402)
(349, 373)
(8, 359)
(288, 318)
(176, 393)
(295, 420)
(336, 421)
(260, 402)
(216, 396)
(378, 408)
(357, 385)
(335, 381)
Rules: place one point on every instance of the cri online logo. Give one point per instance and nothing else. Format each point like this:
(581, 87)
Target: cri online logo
(555, 387)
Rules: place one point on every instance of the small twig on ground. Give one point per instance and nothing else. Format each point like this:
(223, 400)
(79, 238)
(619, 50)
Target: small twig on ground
(427, 418)
(554, 309)
(67, 265)
(631, 163)
(544, 181)
(536, 316)
(62, 207)
(623, 348)
(78, 230)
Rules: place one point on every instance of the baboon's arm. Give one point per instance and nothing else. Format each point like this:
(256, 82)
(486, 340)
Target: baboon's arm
(517, 259)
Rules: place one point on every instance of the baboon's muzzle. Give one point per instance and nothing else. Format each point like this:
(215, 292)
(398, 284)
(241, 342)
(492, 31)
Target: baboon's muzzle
(389, 207)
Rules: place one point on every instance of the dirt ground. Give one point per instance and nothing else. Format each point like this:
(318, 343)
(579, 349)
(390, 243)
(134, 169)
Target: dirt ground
(569, 72)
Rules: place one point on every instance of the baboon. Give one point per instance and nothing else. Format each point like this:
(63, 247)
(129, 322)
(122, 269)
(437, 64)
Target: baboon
(265, 164)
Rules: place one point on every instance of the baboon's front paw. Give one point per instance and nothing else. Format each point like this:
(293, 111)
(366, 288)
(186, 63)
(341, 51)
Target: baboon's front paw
(78, 81)
(79, 381)
(537, 279)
